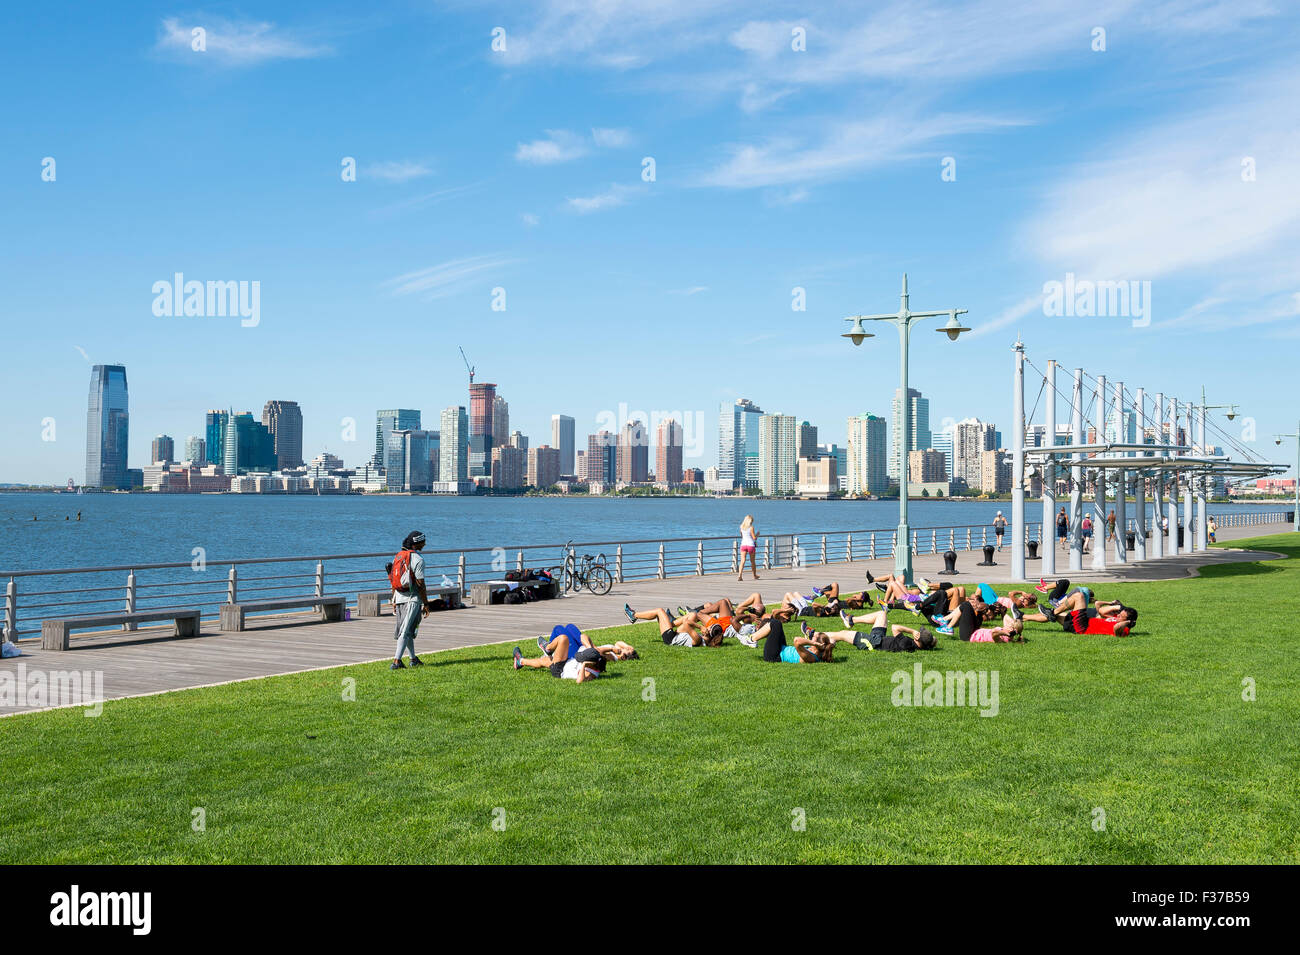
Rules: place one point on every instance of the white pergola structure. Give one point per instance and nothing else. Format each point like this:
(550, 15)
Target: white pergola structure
(1109, 461)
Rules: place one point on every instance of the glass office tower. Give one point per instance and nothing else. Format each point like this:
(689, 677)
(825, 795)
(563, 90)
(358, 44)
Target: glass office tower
(107, 428)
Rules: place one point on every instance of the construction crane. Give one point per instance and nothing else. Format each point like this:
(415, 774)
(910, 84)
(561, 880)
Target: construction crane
(467, 365)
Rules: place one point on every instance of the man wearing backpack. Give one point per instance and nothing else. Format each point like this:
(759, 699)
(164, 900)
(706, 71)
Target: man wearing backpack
(410, 600)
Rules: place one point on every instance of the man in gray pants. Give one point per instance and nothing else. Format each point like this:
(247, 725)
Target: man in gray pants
(411, 602)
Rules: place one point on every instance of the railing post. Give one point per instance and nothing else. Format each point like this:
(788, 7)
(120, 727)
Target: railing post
(849, 547)
(823, 548)
(519, 563)
(661, 561)
(232, 590)
(968, 538)
(915, 540)
(11, 609)
(618, 564)
(699, 559)
(460, 572)
(796, 559)
(872, 550)
(952, 538)
(767, 553)
(934, 541)
(320, 578)
(130, 600)
(735, 554)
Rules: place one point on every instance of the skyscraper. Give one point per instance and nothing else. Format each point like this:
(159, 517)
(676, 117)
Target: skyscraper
(404, 419)
(778, 459)
(454, 445)
(918, 435)
(633, 454)
(867, 453)
(107, 428)
(162, 450)
(738, 442)
(668, 452)
(543, 465)
(942, 441)
(414, 469)
(808, 441)
(500, 420)
(482, 408)
(196, 451)
(562, 438)
(249, 445)
(971, 438)
(284, 420)
(600, 460)
(509, 467)
(215, 431)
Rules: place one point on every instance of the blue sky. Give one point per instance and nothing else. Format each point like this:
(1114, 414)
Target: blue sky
(522, 169)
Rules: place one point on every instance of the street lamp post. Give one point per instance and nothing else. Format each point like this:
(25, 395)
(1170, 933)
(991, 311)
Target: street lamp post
(903, 319)
(1203, 479)
(1295, 515)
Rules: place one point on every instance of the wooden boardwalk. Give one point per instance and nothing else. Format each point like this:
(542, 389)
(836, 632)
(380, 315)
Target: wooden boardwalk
(150, 661)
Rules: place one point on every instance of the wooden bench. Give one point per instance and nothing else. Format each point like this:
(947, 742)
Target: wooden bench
(54, 633)
(481, 593)
(370, 602)
(232, 615)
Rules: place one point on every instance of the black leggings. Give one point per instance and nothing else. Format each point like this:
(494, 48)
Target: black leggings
(1060, 590)
(775, 641)
(935, 604)
(967, 623)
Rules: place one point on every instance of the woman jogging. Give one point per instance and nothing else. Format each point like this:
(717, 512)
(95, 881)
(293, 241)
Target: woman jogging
(1062, 527)
(1085, 528)
(748, 546)
(999, 528)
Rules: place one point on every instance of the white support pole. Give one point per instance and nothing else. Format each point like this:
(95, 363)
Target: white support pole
(1099, 503)
(1173, 481)
(1158, 486)
(1048, 542)
(1190, 531)
(1076, 473)
(1017, 465)
(1140, 482)
(1202, 479)
(1121, 482)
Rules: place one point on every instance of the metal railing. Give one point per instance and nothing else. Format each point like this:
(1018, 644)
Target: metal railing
(32, 596)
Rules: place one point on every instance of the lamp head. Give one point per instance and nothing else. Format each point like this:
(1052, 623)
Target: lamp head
(858, 332)
(953, 328)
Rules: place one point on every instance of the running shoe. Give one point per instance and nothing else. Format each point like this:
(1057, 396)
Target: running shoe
(817, 591)
(630, 615)
(1046, 611)
(922, 583)
(541, 645)
(881, 587)
(806, 630)
(914, 610)
(945, 629)
(416, 662)
(397, 665)
(681, 611)
(846, 620)
(519, 656)
(870, 579)
(1042, 587)
(747, 640)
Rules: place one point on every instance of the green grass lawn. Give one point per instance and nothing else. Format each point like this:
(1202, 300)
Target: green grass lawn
(1151, 729)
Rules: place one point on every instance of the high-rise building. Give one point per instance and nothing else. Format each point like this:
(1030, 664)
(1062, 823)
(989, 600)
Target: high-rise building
(918, 436)
(668, 452)
(562, 438)
(386, 422)
(107, 428)
(415, 464)
(248, 445)
(867, 453)
(926, 467)
(215, 433)
(738, 442)
(543, 465)
(778, 459)
(500, 419)
(942, 441)
(632, 461)
(995, 471)
(482, 408)
(519, 440)
(509, 467)
(454, 445)
(971, 438)
(196, 450)
(601, 459)
(163, 450)
(284, 420)
(841, 456)
(808, 441)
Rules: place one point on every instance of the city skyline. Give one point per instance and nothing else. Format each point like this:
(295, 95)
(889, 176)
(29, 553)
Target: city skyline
(548, 219)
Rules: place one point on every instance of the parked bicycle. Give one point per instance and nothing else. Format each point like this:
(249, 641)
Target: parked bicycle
(587, 570)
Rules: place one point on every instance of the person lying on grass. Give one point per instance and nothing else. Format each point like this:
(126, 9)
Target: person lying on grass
(966, 617)
(1077, 600)
(1014, 602)
(1089, 621)
(835, 603)
(895, 639)
(935, 605)
(803, 650)
(587, 664)
(680, 632)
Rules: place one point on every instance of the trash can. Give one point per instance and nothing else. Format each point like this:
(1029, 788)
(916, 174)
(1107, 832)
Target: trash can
(1180, 536)
(1131, 537)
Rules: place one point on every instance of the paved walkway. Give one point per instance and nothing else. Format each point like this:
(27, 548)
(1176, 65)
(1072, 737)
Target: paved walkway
(152, 663)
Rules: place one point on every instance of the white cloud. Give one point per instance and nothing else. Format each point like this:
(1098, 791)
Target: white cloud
(402, 170)
(530, 220)
(235, 43)
(616, 195)
(610, 138)
(445, 278)
(559, 146)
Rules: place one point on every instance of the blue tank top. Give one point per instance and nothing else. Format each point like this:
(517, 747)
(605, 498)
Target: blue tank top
(790, 655)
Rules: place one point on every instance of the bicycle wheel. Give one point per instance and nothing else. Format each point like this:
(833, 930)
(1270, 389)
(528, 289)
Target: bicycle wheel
(572, 582)
(599, 580)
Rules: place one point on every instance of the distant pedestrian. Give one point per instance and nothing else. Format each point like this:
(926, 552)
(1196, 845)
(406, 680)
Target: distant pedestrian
(748, 546)
(1110, 525)
(1212, 529)
(1085, 528)
(1062, 526)
(999, 527)
(410, 600)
